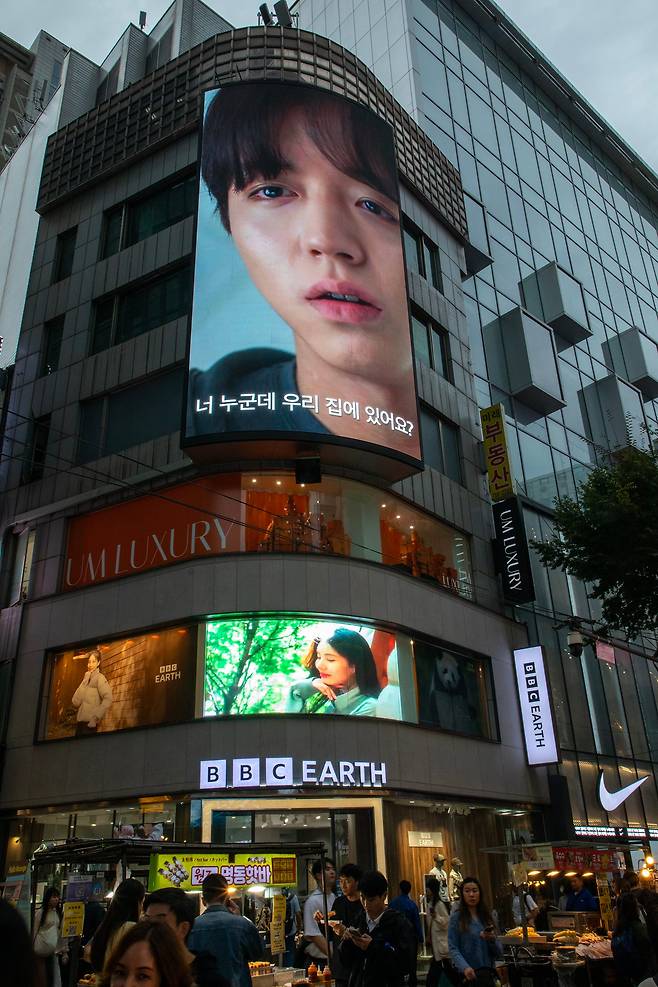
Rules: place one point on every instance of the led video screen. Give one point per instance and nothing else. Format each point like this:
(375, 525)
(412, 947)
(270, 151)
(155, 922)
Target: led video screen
(291, 664)
(300, 322)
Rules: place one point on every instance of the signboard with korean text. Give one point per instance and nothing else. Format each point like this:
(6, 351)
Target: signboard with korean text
(496, 456)
(72, 919)
(535, 703)
(241, 870)
(278, 925)
(300, 322)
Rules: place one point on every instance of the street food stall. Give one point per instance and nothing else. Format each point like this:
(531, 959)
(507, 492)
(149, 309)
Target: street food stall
(257, 874)
(568, 947)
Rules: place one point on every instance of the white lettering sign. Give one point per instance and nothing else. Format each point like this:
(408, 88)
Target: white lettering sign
(280, 772)
(536, 713)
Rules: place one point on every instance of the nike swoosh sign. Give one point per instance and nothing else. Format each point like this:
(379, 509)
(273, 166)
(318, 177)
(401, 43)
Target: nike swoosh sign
(612, 800)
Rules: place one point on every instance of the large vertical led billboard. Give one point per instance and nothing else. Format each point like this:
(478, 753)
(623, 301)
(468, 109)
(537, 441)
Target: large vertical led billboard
(300, 322)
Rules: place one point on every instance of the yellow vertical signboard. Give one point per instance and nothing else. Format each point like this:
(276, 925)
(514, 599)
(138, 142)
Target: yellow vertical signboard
(278, 924)
(72, 919)
(496, 454)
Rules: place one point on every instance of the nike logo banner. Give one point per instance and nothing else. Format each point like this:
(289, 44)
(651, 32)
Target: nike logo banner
(612, 800)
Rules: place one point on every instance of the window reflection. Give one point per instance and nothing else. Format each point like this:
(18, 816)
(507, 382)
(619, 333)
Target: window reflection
(342, 517)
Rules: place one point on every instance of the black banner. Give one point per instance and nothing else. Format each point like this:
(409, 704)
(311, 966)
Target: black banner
(511, 549)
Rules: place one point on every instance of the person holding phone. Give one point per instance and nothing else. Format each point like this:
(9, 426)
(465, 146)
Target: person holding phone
(377, 951)
(472, 937)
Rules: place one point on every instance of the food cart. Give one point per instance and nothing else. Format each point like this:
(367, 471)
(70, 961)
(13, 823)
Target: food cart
(575, 947)
(256, 873)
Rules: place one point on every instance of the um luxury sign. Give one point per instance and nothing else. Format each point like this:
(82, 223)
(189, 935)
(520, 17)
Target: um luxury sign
(511, 548)
(284, 772)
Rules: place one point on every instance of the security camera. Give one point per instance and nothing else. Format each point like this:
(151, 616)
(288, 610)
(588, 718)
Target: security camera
(575, 643)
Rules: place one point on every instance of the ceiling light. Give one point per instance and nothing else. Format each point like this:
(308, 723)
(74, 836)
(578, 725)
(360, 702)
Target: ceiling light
(570, 873)
(254, 480)
(383, 505)
(397, 517)
(533, 873)
(278, 483)
(553, 873)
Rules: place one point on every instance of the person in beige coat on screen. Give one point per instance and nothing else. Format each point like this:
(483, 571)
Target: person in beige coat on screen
(92, 698)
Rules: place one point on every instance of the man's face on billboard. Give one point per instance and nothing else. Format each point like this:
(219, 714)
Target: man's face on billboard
(324, 249)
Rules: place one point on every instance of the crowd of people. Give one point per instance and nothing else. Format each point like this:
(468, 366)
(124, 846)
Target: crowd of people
(364, 936)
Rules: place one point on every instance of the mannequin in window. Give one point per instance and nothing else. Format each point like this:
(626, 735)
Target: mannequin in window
(439, 872)
(455, 879)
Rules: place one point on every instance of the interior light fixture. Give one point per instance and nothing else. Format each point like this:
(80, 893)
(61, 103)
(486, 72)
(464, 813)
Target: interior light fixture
(570, 873)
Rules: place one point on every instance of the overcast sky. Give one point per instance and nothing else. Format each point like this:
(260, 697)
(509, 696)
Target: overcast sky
(606, 49)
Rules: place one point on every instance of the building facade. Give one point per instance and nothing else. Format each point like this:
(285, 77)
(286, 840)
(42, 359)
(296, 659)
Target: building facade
(117, 544)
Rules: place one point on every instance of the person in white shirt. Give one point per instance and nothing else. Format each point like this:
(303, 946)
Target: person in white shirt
(316, 944)
(531, 909)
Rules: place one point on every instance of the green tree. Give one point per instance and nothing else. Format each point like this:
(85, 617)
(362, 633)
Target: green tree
(609, 539)
(249, 664)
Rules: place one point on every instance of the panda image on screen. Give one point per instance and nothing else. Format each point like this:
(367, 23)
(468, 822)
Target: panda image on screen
(448, 691)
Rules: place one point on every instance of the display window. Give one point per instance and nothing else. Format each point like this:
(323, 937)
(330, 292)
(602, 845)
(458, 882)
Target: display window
(265, 512)
(144, 680)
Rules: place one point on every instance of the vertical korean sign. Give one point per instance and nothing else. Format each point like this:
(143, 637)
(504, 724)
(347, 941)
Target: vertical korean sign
(496, 455)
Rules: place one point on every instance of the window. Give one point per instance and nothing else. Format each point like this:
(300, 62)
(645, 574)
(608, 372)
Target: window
(455, 692)
(18, 553)
(137, 310)
(52, 344)
(131, 222)
(111, 242)
(64, 255)
(440, 445)
(430, 343)
(421, 255)
(160, 210)
(130, 416)
(36, 451)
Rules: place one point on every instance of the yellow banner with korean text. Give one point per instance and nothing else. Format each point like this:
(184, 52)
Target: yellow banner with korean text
(241, 870)
(496, 452)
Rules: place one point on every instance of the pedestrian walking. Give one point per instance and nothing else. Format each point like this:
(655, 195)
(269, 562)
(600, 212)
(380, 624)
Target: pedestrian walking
(20, 966)
(632, 948)
(149, 954)
(404, 904)
(438, 919)
(315, 947)
(47, 937)
(348, 912)
(471, 936)
(378, 952)
(174, 907)
(232, 939)
(123, 913)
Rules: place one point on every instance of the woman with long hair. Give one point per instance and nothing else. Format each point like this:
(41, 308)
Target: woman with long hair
(150, 954)
(343, 677)
(122, 914)
(437, 920)
(633, 951)
(471, 935)
(46, 936)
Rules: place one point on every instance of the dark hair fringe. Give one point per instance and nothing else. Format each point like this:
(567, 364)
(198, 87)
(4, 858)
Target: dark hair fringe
(481, 909)
(245, 121)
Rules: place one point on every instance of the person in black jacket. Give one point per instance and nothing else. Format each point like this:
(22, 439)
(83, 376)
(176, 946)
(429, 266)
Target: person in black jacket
(173, 907)
(378, 951)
